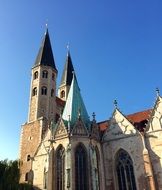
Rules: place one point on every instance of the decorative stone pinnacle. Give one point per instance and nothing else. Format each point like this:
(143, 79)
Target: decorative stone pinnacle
(157, 91)
(94, 116)
(115, 103)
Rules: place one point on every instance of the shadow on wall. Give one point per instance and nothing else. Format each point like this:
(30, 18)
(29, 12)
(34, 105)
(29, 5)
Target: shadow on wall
(155, 160)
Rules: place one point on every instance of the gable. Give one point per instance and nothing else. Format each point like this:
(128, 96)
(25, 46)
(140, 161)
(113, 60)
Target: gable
(120, 127)
(61, 130)
(155, 122)
(79, 129)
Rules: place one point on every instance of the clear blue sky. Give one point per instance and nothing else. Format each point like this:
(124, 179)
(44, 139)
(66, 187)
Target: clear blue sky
(116, 48)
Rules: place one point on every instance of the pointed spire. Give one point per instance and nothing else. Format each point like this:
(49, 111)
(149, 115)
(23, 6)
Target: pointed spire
(45, 54)
(67, 74)
(74, 104)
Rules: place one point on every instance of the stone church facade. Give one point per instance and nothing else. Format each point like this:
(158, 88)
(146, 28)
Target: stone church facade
(61, 148)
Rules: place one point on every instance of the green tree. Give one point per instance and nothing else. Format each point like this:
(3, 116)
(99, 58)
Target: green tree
(9, 176)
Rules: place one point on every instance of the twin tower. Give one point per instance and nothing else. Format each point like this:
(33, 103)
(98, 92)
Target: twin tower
(55, 141)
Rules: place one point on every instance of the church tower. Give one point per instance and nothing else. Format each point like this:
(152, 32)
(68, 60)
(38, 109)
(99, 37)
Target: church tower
(66, 78)
(42, 107)
(43, 83)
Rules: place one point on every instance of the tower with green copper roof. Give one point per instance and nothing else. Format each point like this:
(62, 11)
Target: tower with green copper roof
(74, 107)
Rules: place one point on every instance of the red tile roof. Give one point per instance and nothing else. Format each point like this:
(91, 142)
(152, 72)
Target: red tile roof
(139, 120)
(60, 102)
(139, 116)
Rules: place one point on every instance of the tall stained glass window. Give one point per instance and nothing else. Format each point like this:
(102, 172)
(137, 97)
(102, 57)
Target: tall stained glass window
(125, 172)
(60, 168)
(81, 168)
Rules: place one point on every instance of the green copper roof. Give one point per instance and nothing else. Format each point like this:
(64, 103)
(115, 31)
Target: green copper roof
(45, 54)
(74, 107)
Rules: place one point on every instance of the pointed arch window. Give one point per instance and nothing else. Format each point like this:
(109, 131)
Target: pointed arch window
(26, 176)
(34, 93)
(52, 92)
(60, 168)
(35, 75)
(44, 74)
(125, 171)
(81, 168)
(28, 157)
(44, 90)
(53, 76)
(62, 94)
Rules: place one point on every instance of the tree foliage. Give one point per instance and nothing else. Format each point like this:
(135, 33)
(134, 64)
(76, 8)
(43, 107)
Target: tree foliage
(9, 176)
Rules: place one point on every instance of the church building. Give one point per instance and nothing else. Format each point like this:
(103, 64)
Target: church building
(62, 148)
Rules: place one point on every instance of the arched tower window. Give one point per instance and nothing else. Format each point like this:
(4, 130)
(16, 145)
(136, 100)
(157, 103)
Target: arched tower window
(52, 92)
(60, 168)
(44, 90)
(28, 157)
(81, 168)
(125, 172)
(44, 74)
(35, 75)
(26, 176)
(62, 94)
(34, 93)
(53, 76)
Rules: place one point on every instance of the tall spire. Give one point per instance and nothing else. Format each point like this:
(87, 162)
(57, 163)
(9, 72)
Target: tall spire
(45, 54)
(75, 105)
(67, 74)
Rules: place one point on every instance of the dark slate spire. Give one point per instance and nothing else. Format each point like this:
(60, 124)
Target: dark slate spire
(67, 74)
(45, 55)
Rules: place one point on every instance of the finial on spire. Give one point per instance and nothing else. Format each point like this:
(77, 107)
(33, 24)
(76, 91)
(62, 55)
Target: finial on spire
(94, 116)
(68, 46)
(115, 103)
(46, 25)
(157, 91)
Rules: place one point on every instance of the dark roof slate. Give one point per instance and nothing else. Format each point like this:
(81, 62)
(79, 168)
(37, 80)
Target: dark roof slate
(45, 54)
(67, 74)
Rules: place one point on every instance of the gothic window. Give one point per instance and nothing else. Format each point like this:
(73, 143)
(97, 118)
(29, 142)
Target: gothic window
(28, 157)
(45, 74)
(62, 94)
(34, 93)
(81, 168)
(60, 168)
(44, 90)
(124, 171)
(52, 92)
(53, 76)
(97, 174)
(36, 75)
(26, 176)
